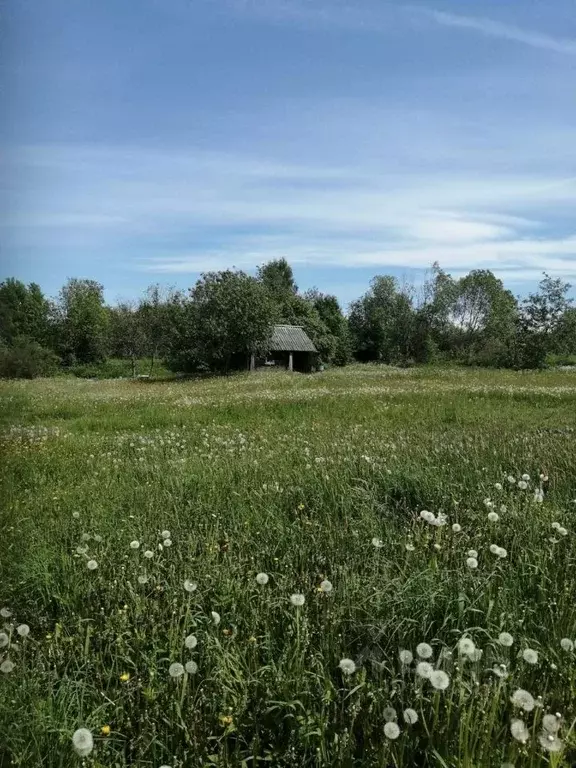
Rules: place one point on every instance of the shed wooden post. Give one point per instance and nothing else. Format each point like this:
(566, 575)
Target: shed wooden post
(252, 362)
(291, 361)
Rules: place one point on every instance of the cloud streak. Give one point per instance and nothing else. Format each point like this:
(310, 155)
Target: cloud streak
(492, 28)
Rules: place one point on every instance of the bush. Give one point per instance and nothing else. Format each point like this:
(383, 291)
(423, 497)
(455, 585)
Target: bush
(26, 359)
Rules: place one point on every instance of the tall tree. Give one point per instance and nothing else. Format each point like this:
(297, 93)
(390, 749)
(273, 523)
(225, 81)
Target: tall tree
(82, 321)
(540, 319)
(24, 312)
(126, 333)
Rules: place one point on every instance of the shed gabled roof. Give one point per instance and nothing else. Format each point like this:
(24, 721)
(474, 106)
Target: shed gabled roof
(290, 338)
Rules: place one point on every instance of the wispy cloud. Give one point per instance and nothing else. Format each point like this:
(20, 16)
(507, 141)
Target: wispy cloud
(505, 31)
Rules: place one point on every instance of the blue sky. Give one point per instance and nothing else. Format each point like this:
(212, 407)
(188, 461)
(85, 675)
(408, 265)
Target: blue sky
(150, 140)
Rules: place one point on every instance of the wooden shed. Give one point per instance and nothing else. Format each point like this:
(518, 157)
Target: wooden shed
(290, 347)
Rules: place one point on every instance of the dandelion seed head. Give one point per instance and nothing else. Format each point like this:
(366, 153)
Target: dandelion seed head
(566, 644)
(216, 619)
(440, 680)
(511, 479)
(391, 731)
(471, 562)
(562, 531)
(456, 527)
(7, 666)
(347, 666)
(522, 484)
(297, 599)
(424, 650)
(466, 646)
(326, 586)
(262, 578)
(142, 579)
(75, 515)
(410, 547)
(378, 543)
(83, 742)
(149, 554)
(165, 534)
(5, 613)
(167, 542)
(191, 667)
(526, 478)
(410, 716)
(424, 669)
(23, 630)
(134, 544)
(498, 486)
(523, 699)
(91, 565)
(550, 742)
(4, 639)
(530, 656)
(493, 517)
(551, 723)
(519, 731)
(176, 669)
(191, 641)
(389, 714)
(505, 639)
(494, 548)
(472, 553)
(190, 586)
(406, 657)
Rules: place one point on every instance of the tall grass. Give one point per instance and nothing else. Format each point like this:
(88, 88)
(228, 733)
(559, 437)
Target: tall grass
(306, 479)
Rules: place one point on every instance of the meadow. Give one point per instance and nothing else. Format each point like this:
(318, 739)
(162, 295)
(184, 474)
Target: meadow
(365, 567)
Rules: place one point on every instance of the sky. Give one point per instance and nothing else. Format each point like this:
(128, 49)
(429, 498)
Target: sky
(147, 141)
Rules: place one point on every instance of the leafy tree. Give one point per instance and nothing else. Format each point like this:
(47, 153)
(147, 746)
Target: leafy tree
(126, 333)
(26, 359)
(82, 321)
(278, 279)
(331, 315)
(24, 311)
(227, 317)
(540, 322)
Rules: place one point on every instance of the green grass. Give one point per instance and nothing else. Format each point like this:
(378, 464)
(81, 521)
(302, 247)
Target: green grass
(293, 476)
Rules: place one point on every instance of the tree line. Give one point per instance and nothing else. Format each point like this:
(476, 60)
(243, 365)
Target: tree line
(226, 316)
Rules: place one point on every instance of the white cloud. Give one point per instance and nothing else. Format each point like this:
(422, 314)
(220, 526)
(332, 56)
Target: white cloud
(493, 28)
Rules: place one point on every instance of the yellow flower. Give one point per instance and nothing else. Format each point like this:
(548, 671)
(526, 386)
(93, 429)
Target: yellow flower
(226, 719)
(125, 677)
(105, 730)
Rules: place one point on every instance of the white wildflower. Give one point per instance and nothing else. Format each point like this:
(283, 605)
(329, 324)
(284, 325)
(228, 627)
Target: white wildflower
(439, 680)
(410, 716)
(556, 525)
(83, 741)
(191, 641)
(566, 644)
(472, 553)
(142, 579)
(539, 495)
(471, 562)
(297, 599)
(410, 547)
(456, 527)
(523, 699)
(389, 714)
(406, 657)
(347, 666)
(7, 666)
(91, 565)
(424, 650)
(167, 542)
(134, 544)
(326, 586)
(526, 478)
(505, 639)
(424, 669)
(5, 613)
(493, 517)
(530, 656)
(498, 486)
(75, 515)
(550, 742)
(562, 531)
(466, 646)
(428, 516)
(378, 543)
(391, 731)
(519, 731)
(511, 479)
(4, 639)
(191, 667)
(262, 578)
(551, 723)
(215, 618)
(502, 553)
(97, 538)
(176, 669)
(522, 484)
(165, 534)
(149, 554)
(494, 548)
(190, 586)
(23, 630)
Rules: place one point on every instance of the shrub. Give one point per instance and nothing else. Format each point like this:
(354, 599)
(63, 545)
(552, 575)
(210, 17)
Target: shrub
(26, 359)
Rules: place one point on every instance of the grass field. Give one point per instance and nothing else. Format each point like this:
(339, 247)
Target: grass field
(137, 516)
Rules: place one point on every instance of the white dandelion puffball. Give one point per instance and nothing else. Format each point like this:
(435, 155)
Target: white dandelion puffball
(83, 741)
(551, 723)
(488, 503)
(526, 478)
(472, 553)
(149, 554)
(523, 699)
(519, 731)
(503, 509)
(566, 644)
(507, 765)
(550, 742)
(406, 657)
(167, 542)
(439, 680)
(502, 553)
(456, 527)
(522, 484)
(4, 639)
(410, 547)
(297, 599)
(466, 646)
(498, 486)
(378, 543)
(190, 586)
(494, 548)
(500, 671)
(23, 630)
(191, 641)
(530, 656)
(134, 544)
(165, 535)
(86, 537)
(176, 669)
(389, 714)
(505, 639)
(262, 578)
(97, 538)
(142, 579)
(493, 517)
(191, 667)
(75, 515)
(562, 531)
(410, 716)
(347, 666)
(215, 618)
(424, 650)
(91, 565)
(81, 550)
(471, 562)
(511, 479)
(424, 669)
(391, 731)
(160, 548)
(556, 526)
(7, 666)
(326, 586)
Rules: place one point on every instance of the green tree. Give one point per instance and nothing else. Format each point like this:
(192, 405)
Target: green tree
(127, 335)
(331, 315)
(24, 312)
(82, 321)
(540, 321)
(278, 279)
